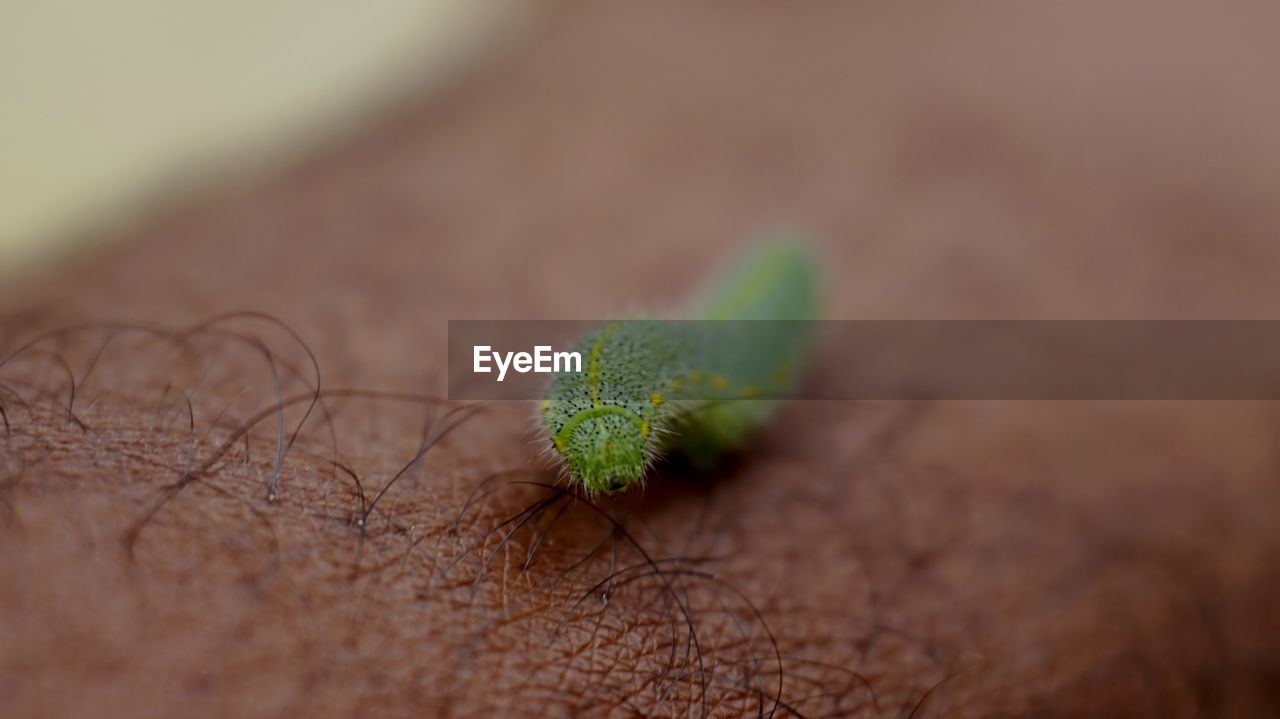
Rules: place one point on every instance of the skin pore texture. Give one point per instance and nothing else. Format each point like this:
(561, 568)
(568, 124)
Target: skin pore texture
(877, 559)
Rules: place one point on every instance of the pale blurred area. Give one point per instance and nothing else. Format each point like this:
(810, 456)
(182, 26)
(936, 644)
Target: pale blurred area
(112, 109)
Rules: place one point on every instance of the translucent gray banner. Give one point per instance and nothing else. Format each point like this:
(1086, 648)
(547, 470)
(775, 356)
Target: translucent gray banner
(884, 359)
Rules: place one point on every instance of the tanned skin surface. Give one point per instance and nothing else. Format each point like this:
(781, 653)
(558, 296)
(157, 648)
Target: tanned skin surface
(198, 530)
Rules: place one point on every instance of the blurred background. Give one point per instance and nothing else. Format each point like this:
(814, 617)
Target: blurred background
(114, 110)
(1000, 158)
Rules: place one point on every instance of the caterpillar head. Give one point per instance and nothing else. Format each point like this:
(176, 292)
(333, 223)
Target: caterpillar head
(605, 448)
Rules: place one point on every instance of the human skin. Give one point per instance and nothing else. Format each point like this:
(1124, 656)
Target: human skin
(893, 558)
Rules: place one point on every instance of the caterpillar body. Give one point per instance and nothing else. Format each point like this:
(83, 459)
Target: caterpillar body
(650, 387)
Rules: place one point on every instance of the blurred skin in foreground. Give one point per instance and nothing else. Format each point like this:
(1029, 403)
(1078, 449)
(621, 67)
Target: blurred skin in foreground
(190, 526)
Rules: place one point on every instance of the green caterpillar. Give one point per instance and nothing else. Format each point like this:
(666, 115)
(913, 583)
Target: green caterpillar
(650, 387)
